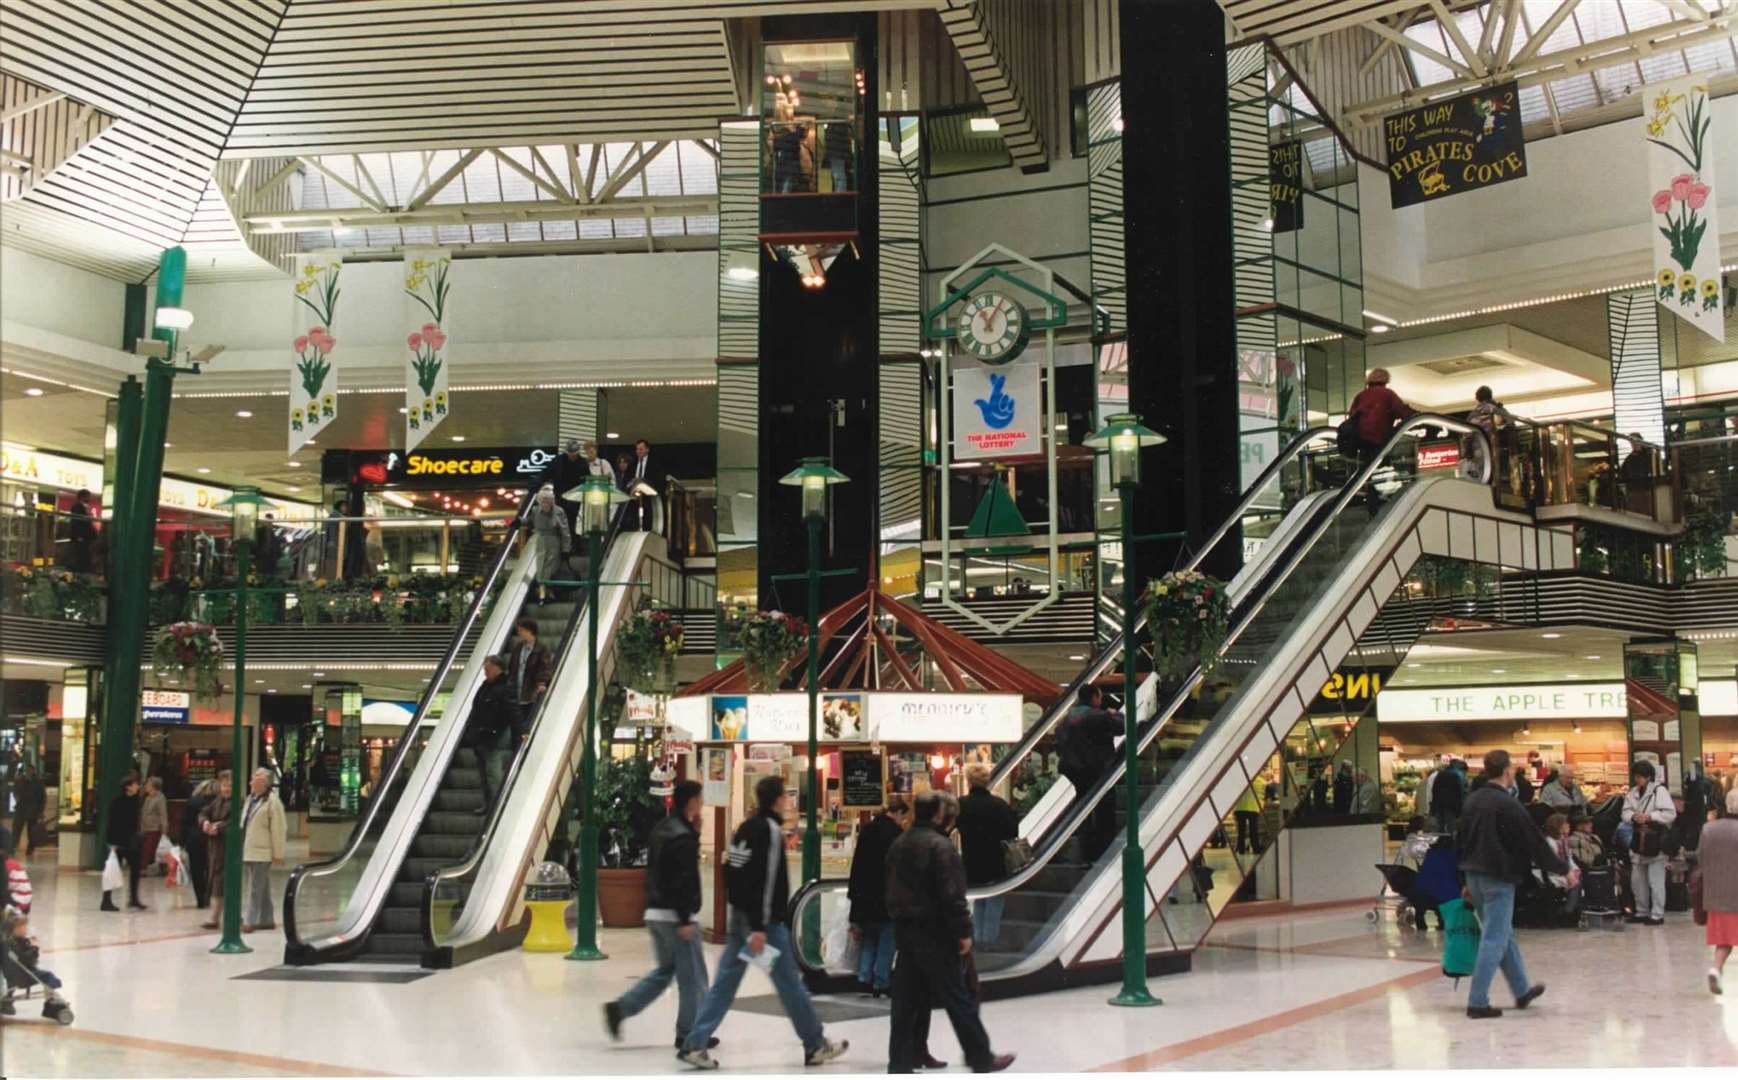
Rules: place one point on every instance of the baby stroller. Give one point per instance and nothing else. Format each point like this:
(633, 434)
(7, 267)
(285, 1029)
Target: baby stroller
(19, 958)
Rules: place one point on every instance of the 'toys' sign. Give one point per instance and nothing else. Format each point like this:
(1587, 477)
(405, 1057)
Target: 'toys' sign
(419, 465)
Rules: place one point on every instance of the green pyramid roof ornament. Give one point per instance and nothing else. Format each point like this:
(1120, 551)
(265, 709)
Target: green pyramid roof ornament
(997, 517)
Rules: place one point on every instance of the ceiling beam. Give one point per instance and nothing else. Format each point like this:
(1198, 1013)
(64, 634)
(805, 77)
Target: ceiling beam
(1382, 30)
(1536, 40)
(440, 182)
(367, 200)
(1402, 21)
(1451, 26)
(24, 108)
(622, 245)
(557, 193)
(623, 176)
(1511, 19)
(271, 183)
(480, 213)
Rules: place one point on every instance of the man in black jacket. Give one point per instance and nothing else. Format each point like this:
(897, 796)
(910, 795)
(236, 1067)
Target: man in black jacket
(672, 900)
(986, 823)
(1087, 742)
(492, 716)
(1498, 845)
(123, 839)
(760, 893)
(867, 893)
(926, 895)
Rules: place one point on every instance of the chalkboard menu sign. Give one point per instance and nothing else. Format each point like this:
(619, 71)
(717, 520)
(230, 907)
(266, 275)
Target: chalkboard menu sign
(1462, 144)
(864, 781)
(1285, 181)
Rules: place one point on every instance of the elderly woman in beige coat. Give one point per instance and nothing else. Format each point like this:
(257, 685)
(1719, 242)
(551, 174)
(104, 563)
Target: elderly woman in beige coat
(1718, 859)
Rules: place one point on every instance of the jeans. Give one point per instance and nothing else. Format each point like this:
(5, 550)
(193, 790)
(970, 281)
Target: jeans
(987, 919)
(927, 975)
(1647, 879)
(257, 907)
(875, 959)
(1494, 900)
(680, 959)
(786, 979)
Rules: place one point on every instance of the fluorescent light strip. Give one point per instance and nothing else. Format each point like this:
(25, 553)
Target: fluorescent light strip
(1554, 298)
(598, 384)
(58, 382)
(331, 665)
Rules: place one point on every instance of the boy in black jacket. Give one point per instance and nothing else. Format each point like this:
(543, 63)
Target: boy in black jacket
(759, 894)
(672, 899)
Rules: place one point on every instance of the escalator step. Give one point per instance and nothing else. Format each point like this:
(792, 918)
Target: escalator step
(415, 870)
(458, 801)
(452, 823)
(1032, 904)
(400, 920)
(463, 779)
(404, 894)
(408, 945)
(441, 846)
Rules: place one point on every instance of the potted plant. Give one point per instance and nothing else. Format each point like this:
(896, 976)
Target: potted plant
(770, 640)
(626, 810)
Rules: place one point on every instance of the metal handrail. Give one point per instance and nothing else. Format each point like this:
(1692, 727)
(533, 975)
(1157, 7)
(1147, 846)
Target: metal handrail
(474, 858)
(294, 944)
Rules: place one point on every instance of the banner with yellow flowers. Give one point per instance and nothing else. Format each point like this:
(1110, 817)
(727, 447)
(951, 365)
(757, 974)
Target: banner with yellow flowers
(1680, 147)
(427, 285)
(313, 372)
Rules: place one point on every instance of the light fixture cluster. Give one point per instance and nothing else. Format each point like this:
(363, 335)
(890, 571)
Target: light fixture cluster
(814, 281)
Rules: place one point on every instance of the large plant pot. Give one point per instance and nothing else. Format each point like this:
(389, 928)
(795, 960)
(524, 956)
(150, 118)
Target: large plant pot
(621, 896)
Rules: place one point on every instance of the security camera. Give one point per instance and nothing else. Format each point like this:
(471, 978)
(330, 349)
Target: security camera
(208, 354)
(153, 348)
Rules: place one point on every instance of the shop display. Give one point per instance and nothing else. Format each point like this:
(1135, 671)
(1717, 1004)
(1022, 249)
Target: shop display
(863, 780)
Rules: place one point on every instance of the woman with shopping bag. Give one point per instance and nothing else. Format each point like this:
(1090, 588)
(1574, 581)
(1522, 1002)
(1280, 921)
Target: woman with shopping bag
(123, 841)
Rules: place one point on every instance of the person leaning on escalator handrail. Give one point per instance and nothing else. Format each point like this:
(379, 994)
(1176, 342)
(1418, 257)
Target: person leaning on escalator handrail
(1087, 743)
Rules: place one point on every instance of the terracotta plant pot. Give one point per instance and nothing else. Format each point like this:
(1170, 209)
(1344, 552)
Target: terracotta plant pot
(621, 896)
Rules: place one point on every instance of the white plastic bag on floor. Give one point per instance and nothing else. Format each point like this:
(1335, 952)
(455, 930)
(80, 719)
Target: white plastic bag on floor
(112, 876)
(836, 945)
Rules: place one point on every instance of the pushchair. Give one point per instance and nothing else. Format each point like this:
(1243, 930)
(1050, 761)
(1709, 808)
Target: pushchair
(1423, 889)
(19, 970)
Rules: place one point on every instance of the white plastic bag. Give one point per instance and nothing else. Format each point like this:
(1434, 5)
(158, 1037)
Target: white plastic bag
(112, 876)
(174, 865)
(837, 943)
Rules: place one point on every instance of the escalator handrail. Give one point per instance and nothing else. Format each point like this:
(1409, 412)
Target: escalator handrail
(468, 866)
(1107, 656)
(390, 771)
(1084, 804)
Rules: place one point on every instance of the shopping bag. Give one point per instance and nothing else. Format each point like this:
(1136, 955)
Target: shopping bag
(837, 942)
(112, 876)
(1460, 938)
(173, 862)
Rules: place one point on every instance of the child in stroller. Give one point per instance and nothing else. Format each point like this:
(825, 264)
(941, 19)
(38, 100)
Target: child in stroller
(19, 957)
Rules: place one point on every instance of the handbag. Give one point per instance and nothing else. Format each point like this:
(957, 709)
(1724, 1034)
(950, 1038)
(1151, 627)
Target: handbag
(1697, 911)
(1647, 839)
(112, 876)
(1460, 938)
(1016, 855)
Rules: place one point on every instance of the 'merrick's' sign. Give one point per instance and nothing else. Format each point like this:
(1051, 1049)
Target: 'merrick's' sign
(1447, 147)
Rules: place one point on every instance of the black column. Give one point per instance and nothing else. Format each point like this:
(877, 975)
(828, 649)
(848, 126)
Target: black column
(1177, 227)
(817, 347)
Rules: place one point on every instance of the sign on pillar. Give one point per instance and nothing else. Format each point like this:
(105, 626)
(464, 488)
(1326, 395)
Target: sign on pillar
(1665, 721)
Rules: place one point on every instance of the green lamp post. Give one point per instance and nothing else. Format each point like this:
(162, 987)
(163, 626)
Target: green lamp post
(243, 507)
(1123, 437)
(814, 476)
(596, 496)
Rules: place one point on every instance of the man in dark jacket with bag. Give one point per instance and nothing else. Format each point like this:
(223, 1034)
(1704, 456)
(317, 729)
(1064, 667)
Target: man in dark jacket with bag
(867, 893)
(926, 895)
(760, 893)
(123, 840)
(1087, 743)
(1498, 845)
(986, 824)
(672, 900)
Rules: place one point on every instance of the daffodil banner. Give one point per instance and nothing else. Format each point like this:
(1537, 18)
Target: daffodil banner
(428, 283)
(313, 338)
(1678, 124)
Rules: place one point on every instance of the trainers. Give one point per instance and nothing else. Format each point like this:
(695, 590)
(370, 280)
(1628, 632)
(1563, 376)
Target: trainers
(1482, 1012)
(996, 1064)
(699, 1059)
(1714, 983)
(612, 1021)
(1530, 996)
(711, 1043)
(827, 1051)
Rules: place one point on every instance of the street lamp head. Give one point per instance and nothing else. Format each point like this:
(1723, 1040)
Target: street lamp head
(1124, 436)
(814, 476)
(595, 497)
(174, 318)
(244, 507)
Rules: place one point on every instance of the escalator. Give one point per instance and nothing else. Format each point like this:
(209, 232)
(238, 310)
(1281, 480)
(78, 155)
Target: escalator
(1298, 611)
(367, 902)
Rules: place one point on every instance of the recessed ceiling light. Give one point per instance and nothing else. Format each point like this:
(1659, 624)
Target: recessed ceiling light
(319, 674)
(271, 689)
(258, 681)
(456, 438)
(1077, 658)
(34, 391)
(168, 446)
(244, 414)
(294, 488)
(203, 471)
(1378, 329)
(1590, 658)
(295, 464)
(611, 435)
(1499, 671)
(1550, 637)
(402, 410)
(307, 686)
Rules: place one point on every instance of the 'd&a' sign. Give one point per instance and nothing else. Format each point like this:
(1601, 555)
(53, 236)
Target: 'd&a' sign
(1447, 147)
(996, 411)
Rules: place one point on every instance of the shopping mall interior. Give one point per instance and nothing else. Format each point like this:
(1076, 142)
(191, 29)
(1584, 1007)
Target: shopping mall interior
(465, 423)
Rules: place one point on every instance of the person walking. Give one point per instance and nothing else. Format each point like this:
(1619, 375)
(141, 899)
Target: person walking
(642, 483)
(867, 893)
(1563, 793)
(1498, 845)
(29, 797)
(547, 524)
(214, 823)
(986, 823)
(262, 847)
(567, 472)
(759, 889)
(153, 821)
(83, 532)
(1718, 867)
(192, 840)
(926, 895)
(1648, 807)
(493, 716)
(1087, 741)
(1448, 795)
(672, 900)
(123, 839)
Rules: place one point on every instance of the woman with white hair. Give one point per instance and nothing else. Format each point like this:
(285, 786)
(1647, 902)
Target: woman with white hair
(548, 524)
(1718, 861)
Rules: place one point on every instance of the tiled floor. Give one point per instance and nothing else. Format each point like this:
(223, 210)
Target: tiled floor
(1313, 991)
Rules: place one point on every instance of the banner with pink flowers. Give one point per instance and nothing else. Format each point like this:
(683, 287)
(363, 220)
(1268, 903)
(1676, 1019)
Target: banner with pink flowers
(313, 325)
(1680, 147)
(427, 285)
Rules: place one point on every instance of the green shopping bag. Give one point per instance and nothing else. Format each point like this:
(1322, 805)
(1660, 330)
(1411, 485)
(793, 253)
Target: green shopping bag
(1460, 939)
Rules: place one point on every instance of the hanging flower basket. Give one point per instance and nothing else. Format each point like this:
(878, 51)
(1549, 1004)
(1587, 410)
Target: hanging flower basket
(770, 640)
(190, 651)
(1187, 615)
(646, 648)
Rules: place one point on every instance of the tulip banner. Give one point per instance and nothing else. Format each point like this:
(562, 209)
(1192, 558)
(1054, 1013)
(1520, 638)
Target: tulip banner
(427, 287)
(313, 372)
(1679, 128)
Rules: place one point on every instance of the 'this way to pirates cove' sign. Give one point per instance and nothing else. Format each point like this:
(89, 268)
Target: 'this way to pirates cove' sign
(1447, 147)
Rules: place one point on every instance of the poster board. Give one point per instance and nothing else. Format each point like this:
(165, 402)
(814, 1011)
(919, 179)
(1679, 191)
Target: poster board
(863, 782)
(1463, 144)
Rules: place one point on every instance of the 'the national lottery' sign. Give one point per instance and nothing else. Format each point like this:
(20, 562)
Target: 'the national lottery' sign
(996, 411)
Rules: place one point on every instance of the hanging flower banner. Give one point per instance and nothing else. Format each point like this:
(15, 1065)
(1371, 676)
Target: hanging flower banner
(1686, 235)
(313, 372)
(427, 285)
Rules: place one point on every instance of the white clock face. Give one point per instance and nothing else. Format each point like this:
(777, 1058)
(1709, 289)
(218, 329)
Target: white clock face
(992, 327)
